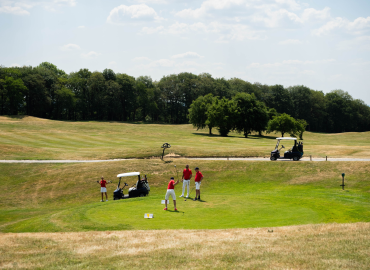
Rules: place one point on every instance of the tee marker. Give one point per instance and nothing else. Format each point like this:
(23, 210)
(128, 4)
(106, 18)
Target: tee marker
(148, 216)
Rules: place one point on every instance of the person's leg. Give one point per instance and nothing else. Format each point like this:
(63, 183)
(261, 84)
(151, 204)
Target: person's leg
(188, 187)
(174, 204)
(106, 196)
(102, 196)
(183, 188)
(166, 198)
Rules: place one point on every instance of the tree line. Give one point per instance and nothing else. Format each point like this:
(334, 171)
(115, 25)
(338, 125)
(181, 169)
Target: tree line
(48, 92)
(243, 113)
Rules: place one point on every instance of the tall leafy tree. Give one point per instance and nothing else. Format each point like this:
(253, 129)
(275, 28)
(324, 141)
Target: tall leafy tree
(15, 91)
(37, 98)
(127, 95)
(198, 112)
(221, 114)
(96, 91)
(251, 114)
(109, 75)
(77, 82)
(283, 123)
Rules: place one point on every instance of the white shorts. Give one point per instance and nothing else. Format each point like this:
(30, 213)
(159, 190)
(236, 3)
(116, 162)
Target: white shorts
(172, 193)
(103, 189)
(197, 185)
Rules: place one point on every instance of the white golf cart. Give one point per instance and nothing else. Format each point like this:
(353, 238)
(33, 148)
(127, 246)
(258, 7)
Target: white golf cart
(140, 189)
(295, 153)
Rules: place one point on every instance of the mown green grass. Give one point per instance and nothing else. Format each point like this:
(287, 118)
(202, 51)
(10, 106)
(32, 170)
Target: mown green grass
(34, 138)
(235, 194)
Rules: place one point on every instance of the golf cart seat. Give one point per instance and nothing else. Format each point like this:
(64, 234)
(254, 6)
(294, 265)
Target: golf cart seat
(140, 189)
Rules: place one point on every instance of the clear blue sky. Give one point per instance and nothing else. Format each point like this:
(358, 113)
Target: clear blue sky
(324, 45)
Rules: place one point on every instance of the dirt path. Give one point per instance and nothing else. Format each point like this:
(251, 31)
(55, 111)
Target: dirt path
(199, 158)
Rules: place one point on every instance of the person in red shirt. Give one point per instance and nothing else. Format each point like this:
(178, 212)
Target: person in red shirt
(198, 179)
(186, 176)
(103, 188)
(171, 191)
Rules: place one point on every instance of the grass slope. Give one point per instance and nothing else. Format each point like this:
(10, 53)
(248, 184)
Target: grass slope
(235, 194)
(331, 246)
(35, 138)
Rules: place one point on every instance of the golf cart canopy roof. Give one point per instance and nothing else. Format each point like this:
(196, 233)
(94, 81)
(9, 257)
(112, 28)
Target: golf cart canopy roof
(287, 138)
(128, 174)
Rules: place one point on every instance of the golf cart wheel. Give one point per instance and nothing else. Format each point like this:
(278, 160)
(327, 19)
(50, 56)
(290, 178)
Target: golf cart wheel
(295, 158)
(272, 158)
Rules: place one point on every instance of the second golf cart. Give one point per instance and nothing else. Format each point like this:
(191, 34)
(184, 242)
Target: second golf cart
(140, 189)
(295, 153)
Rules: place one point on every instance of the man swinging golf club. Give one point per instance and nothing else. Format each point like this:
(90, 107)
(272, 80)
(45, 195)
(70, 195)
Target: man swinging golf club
(186, 176)
(171, 191)
(198, 179)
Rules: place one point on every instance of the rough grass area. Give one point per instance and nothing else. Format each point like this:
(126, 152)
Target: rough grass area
(329, 246)
(235, 194)
(34, 138)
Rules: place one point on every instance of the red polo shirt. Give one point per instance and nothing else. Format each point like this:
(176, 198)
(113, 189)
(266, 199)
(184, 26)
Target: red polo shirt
(198, 176)
(187, 174)
(102, 183)
(171, 184)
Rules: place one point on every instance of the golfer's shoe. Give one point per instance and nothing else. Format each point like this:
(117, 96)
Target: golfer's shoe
(165, 209)
(199, 198)
(187, 197)
(195, 199)
(101, 200)
(181, 195)
(175, 209)
(106, 200)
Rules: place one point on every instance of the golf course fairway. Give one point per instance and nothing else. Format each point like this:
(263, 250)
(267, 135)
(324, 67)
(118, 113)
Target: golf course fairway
(235, 194)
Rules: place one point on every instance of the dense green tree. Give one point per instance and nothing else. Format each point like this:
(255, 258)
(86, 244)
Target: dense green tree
(65, 103)
(279, 98)
(37, 99)
(221, 114)
(126, 96)
(96, 91)
(109, 75)
(198, 112)
(339, 111)
(301, 102)
(53, 69)
(300, 128)
(13, 91)
(77, 82)
(251, 114)
(222, 88)
(283, 123)
(240, 86)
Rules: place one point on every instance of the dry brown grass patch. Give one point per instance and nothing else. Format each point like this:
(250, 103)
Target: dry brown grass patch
(330, 246)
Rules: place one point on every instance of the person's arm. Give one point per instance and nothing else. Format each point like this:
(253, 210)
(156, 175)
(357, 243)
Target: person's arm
(182, 179)
(176, 183)
(191, 175)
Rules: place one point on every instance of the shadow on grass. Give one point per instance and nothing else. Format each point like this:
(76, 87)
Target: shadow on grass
(253, 137)
(16, 116)
(178, 212)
